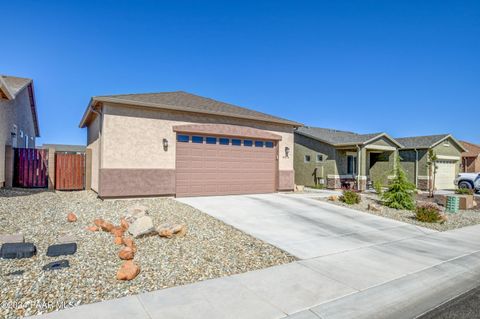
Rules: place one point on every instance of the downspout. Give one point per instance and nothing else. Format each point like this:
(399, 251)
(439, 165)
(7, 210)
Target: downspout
(416, 168)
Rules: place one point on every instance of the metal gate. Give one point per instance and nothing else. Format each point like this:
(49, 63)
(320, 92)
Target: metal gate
(30, 168)
(69, 171)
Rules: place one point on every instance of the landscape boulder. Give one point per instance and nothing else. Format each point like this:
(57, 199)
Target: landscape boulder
(141, 226)
(168, 231)
(126, 253)
(128, 271)
(374, 208)
(135, 212)
(71, 217)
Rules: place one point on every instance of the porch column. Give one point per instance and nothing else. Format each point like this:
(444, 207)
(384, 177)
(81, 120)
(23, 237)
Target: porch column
(362, 169)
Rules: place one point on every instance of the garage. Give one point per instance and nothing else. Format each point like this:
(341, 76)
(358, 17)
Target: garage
(211, 163)
(445, 176)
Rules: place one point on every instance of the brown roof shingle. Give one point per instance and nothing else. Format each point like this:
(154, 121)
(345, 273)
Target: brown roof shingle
(473, 150)
(188, 102)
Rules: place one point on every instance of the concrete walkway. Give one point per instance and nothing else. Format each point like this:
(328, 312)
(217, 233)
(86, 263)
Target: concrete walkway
(380, 269)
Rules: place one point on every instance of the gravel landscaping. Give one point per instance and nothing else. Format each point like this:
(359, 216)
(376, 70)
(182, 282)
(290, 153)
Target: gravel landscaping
(461, 219)
(210, 249)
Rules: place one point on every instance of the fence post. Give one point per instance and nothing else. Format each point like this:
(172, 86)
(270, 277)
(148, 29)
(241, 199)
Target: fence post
(51, 169)
(9, 165)
(88, 169)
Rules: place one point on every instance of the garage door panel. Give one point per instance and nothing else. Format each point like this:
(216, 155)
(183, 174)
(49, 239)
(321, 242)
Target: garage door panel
(213, 169)
(445, 176)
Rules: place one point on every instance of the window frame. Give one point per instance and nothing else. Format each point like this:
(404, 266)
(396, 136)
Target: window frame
(259, 142)
(222, 140)
(236, 142)
(319, 160)
(250, 142)
(305, 160)
(196, 139)
(180, 140)
(211, 140)
(269, 143)
(353, 164)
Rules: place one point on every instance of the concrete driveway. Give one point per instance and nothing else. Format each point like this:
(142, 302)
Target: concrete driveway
(302, 225)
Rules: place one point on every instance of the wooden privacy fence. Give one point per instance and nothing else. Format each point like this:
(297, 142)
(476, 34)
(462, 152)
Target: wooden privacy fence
(30, 168)
(69, 171)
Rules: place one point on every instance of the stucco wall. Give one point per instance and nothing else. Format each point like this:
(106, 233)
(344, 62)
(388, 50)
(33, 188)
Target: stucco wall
(93, 143)
(305, 173)
(132, 137)
(16, 112)
(382, 168)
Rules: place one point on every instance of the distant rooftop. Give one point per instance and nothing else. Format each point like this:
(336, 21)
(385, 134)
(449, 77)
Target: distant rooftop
(337, 137)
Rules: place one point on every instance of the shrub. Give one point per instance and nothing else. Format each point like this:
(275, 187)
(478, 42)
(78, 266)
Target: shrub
(400, 192)
(428, 213)
(350, 197)
(377, 185)
(464, 191)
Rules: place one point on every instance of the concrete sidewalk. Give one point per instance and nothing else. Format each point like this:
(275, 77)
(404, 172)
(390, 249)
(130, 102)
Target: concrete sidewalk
(402, 279)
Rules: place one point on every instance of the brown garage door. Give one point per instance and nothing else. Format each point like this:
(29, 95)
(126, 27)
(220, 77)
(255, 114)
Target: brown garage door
(224, 165)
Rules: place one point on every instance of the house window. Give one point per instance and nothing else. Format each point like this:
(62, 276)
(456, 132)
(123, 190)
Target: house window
(446, 143)
(211, 140)
(351, 165)
(269, 144)
(224, 141)
(319, 157)
(236, 142)
(183, 138)
(197, 139)
(307, 158)
(247, 142)
(258, 144)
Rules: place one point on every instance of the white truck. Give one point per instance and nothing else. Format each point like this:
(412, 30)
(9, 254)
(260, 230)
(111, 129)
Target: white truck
(468, 180)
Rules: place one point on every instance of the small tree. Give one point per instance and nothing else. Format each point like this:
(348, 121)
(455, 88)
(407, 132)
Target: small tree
(399, 194)
(432, 171)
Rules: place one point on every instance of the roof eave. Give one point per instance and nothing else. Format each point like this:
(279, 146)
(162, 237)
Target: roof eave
(5, 89)
(97, 99)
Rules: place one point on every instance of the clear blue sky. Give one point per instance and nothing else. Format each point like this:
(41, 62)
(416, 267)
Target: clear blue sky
(404, 67)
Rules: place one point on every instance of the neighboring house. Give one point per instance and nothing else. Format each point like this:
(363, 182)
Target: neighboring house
(176, 143)
(335, 159)
(470, 158)
(414, 159)
(18, 116)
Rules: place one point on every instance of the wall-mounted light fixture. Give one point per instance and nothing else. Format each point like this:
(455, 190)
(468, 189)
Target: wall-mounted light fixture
(165, 144)
(287, 151)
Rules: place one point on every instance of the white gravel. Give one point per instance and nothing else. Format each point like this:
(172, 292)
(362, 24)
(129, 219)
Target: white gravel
(455, 220)
(210, 249)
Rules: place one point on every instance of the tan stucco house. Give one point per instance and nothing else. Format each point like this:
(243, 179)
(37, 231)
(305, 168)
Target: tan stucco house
(177, 143)
(18, 117)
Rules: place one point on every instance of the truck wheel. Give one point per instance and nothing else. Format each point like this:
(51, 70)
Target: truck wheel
(465, 184)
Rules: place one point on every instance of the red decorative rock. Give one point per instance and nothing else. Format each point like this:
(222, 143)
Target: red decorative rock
(117, 231)
(128, 271)
(71, 217)
(118, 240)
(93, 228)
(126, 253)
(124, 224)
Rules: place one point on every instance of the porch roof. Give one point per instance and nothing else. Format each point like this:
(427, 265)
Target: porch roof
(342, 138)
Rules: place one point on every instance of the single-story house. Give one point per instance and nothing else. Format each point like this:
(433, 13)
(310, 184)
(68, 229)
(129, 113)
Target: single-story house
(414, 159)
(470, 158)
(177, 143)
(18, 117)
(335, 159)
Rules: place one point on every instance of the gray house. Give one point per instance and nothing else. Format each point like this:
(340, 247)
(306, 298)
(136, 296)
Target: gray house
(336, 159)
(18, 116)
